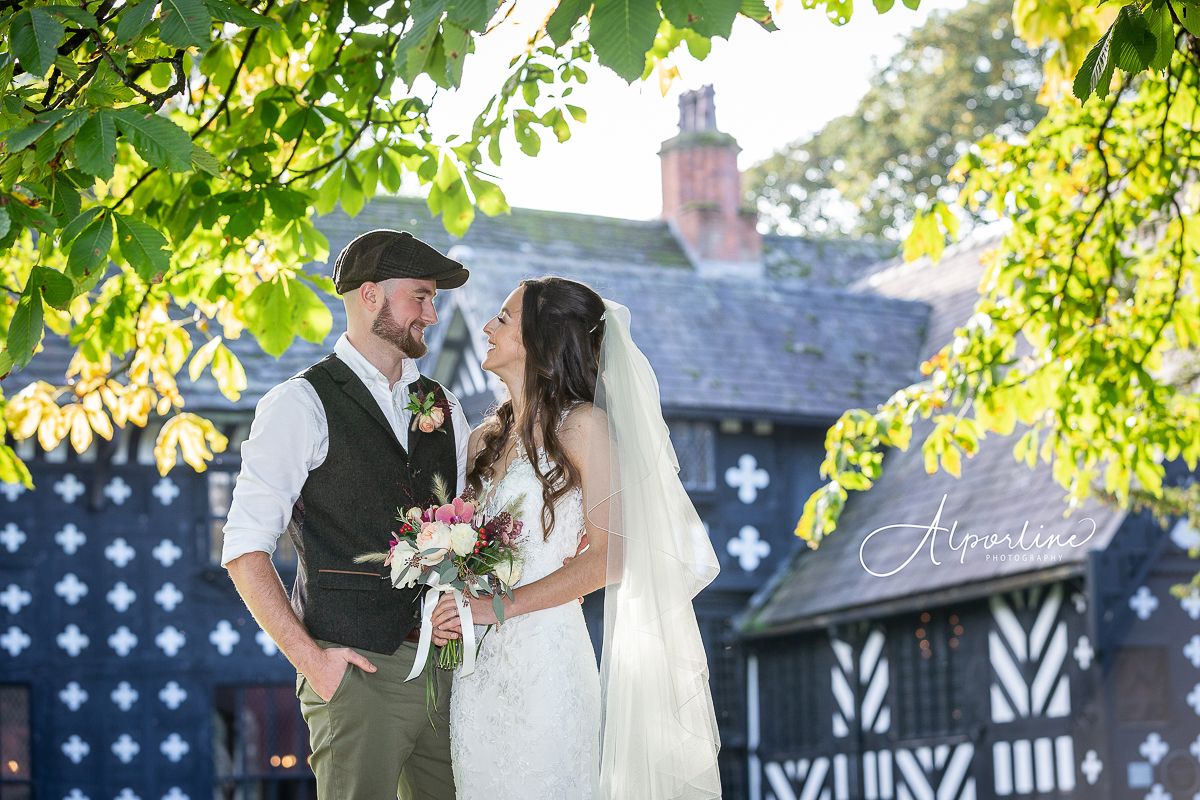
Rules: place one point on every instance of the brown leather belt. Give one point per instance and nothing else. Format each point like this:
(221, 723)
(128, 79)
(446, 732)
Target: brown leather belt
(414, 635)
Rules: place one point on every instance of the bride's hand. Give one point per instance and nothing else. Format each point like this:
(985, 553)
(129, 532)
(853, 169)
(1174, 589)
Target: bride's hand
(446, 624)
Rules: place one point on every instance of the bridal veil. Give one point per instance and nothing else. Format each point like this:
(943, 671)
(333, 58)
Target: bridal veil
(659, 737)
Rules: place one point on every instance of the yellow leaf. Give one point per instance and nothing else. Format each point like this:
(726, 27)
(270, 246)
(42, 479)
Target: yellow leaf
(81, 429)
(231, 377)
(951, 461)
(203, 357)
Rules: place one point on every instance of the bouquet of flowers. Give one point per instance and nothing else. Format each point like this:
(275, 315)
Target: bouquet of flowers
(451, 547)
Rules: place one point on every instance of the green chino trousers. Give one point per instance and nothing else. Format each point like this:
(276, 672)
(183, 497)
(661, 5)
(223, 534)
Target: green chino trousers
(373, 740)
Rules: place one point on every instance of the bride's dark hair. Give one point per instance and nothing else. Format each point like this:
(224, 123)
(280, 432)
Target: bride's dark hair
(561, 330)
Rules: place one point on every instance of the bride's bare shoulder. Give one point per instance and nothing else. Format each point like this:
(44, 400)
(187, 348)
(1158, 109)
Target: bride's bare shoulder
(582, 423)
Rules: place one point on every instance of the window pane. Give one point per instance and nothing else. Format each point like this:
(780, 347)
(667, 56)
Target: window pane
(14, 736)
(260, 744)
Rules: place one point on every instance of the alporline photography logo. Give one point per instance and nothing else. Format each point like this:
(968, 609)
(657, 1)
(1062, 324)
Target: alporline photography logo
(996, 546)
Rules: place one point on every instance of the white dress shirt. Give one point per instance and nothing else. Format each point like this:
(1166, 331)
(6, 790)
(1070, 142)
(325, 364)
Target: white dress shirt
(289, 438)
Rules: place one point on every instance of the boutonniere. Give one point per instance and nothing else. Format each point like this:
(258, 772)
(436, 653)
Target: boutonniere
(429, 411)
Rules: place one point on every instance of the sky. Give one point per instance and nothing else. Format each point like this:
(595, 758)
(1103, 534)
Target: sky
(770, 89)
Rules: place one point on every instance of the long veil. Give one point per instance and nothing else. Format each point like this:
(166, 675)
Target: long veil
(659, 737)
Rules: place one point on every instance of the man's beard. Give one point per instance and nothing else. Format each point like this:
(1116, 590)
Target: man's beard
(397, 335)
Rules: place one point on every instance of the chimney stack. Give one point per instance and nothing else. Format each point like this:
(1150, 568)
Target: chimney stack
(702, 192)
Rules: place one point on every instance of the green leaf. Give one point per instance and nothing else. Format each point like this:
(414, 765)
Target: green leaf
(81, 17)
(488, 196)
(1133, 43)
(89, 251)
(456, 44)
(12, 468)
(757, 10)
(884, 6)
(70, 125)
(96, 145)
(246, 220)
(1096, 71)
(564, 18)
(184, 23)
(413, 49)
(157, 139)
(75, 226)
(622, 31)
(5, 222)
(706, 17)
(268, 315)
(25, 328)
(143, 247)
(205, 161)
(470, 14)
(1189, 16)
(1163, 28)
(311, 318)
(351, 197)
(287, 203)
(231, 11)
(912, 4)
(134, 20)
(34, 35)
(56, 288)
(20, 138)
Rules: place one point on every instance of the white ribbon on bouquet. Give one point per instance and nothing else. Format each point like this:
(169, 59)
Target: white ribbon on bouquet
(436, 589)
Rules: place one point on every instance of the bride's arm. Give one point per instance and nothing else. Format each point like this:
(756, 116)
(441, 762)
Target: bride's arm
(584, 437)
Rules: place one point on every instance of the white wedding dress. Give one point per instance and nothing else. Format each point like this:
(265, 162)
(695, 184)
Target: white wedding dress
(525, 725)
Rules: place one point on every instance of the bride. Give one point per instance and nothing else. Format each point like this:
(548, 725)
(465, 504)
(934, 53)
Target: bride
(583, 446)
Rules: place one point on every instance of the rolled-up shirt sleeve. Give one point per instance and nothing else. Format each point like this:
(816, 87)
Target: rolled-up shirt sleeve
(288, 439)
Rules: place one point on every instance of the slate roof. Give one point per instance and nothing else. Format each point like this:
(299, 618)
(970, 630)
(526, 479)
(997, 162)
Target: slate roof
(949, 287)
(995, 494)
(833, 263)
(776, 348)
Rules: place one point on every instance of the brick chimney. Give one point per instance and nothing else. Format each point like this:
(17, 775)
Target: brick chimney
(702, 192)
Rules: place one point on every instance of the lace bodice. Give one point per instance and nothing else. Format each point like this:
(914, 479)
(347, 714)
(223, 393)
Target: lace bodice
(539, 555)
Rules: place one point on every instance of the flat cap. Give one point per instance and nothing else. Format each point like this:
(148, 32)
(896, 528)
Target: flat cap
(381, 254)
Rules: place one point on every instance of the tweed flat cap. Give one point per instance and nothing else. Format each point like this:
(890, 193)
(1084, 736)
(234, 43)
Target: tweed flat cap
(382, 254)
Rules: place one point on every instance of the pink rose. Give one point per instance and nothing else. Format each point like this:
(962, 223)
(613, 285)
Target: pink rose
(426, 424)
(438, 417)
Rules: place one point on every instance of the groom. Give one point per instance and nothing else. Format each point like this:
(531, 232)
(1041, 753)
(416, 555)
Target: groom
(332, 454)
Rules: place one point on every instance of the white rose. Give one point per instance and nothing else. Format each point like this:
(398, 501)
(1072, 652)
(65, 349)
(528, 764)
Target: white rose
(508, 571)
(406, 566)
(463, 538)
(434, 536)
